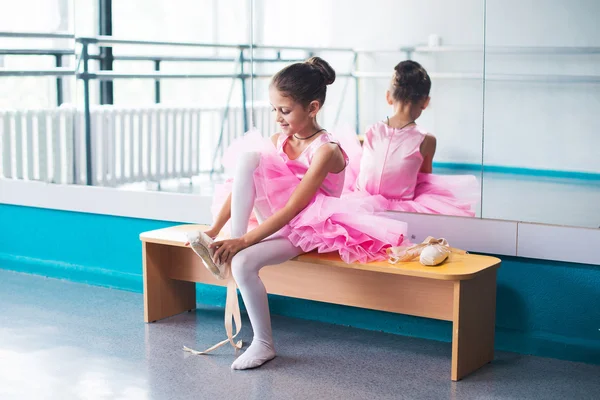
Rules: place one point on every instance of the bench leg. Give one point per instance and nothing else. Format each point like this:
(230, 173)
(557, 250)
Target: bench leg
(474, 319)
(163, 296)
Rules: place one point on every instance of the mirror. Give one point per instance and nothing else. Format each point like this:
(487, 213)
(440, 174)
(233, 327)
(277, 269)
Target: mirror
(164, 95)
(363, 43)
(37, 79)
(542, 100)
(163, 104)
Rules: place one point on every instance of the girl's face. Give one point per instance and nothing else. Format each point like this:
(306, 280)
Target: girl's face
(291, 116)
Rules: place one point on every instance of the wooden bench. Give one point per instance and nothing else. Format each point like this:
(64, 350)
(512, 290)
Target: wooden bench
(463, 290)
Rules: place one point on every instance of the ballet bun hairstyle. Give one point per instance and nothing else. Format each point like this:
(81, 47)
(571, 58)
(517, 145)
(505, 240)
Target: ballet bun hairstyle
(410, 83)
(306, 81)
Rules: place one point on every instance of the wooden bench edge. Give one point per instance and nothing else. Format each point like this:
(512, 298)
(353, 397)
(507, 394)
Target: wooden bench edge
(305, 258)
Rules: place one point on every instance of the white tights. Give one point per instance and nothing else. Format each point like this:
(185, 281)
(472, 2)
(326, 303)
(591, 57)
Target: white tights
(246, 264)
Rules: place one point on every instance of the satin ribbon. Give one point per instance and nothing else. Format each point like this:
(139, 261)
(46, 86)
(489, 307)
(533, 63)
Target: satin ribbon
(232, 314)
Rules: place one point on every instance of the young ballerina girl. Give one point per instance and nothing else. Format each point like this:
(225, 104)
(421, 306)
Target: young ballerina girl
(293, 185)
(397, 155)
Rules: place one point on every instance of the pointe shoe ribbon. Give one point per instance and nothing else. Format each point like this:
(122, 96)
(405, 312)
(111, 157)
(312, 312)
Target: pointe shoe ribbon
(200, 244)
(232, 312)
(431, 252)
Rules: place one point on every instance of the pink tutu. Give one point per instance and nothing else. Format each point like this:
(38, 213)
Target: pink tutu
(328, 223)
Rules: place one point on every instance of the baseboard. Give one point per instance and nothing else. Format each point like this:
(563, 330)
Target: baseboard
(550, 345)
(72, 272)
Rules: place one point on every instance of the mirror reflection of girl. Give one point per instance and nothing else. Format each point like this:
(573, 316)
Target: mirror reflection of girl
(293, 182)
(397, 155)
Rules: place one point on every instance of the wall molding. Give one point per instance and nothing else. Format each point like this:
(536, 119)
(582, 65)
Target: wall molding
(499, 237)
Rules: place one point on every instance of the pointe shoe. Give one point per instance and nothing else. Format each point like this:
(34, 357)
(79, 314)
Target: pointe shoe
(200, 242)
(434, 254)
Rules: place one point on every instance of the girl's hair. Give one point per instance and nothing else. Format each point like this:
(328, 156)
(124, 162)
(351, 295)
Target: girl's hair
(410, 83)
(306, 81)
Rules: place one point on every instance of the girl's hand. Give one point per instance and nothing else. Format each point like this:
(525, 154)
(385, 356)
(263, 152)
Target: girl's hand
(226, 249)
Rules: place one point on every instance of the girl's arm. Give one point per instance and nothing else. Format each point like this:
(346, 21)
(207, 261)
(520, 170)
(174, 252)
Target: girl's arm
(329, 158)
(428, 151)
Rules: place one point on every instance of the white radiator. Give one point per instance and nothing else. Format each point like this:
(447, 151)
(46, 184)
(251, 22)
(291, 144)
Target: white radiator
(37, 144)
(128, 144)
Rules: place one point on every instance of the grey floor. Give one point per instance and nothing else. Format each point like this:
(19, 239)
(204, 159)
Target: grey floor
(62, 340)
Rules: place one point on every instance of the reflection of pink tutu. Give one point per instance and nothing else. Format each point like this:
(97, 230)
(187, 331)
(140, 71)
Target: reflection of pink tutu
(441, 194)
(433, 194)
(328, 223)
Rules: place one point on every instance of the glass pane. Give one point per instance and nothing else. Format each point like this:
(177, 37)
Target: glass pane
(542, 102)
(166, 94)
(37, 61)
